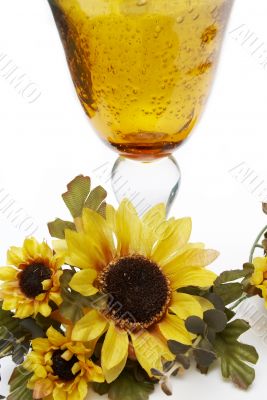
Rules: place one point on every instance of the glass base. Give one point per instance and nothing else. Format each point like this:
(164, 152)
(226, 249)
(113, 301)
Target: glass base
(146, 183)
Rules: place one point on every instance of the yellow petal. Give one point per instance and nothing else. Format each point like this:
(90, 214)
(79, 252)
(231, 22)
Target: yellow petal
(149, 351)
(82, 282)
(96, 374)
(83, 252)
(7, 273)
(185, 305)
(60, 247)
(82, 389)
(30, 248)
(96, 227)
(44, 309)
(15, 256)
(40, 371)
(24, 310)
(47, 283)
(90, 327)
(114, 353)
(178, 235)
(193, 258)
(111, 217)
(173, 328)
(41, 345)
(59, 394)
(152, 226)
(192, 276)
(42, 388)
(10, 303)
(56, 298)
(55, 337)
(128, 229)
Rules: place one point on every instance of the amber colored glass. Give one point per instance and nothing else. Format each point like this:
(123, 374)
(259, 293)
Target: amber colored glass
(142, 68)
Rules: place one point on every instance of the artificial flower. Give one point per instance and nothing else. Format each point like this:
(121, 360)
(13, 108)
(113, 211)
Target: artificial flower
(31, 281)
(137, 265)
(61, 367)
(259, 276)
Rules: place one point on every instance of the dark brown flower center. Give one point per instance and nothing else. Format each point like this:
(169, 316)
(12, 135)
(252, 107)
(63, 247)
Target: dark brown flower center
(62, 368)
(138, 292)
(31, 278)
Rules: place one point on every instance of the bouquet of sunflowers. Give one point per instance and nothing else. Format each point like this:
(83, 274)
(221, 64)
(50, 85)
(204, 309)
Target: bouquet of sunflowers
(120, 304)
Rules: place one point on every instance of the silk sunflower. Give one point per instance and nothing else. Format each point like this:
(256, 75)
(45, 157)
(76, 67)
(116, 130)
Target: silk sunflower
(137, 265)
(61, 367)
(31, 279)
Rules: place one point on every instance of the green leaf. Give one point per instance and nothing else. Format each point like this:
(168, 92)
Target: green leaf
(14, 339)
(79, 196)
(95, 198)
(229, 292)
(57, 228)
(127, 388)
(195, 325)
(230, 276)
(73, 302)
(18, 385)
(204, 355)
(215, 319)
(178, 348)
(75, 197)
(235, 355)
(101, 388)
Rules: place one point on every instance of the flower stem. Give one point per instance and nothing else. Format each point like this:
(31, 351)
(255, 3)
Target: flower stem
(256, 243)
(239, 301)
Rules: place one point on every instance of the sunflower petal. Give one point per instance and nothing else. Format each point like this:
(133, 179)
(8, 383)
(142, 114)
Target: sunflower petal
(83, 253)
(114, 353)
(179, 232)
(173, 328)
(185, 305)
(55, 337)
(15, 256)
(7, 273)
(153, 222)
(82, 282)
(96, 227)
(90, 327)
(149, 351)
(192, 276)
(193, 257)
(59, 394)
(128, 229)
(42, 388)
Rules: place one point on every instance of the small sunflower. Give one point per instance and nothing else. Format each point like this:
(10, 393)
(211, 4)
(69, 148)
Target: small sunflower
(31, 280)
(259, 276)
(137, 265)
(61, 368)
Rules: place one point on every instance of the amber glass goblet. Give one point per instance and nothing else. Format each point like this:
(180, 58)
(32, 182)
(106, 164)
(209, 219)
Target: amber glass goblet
(143, 71)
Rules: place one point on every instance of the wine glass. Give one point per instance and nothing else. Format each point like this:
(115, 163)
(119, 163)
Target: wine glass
(143, 70)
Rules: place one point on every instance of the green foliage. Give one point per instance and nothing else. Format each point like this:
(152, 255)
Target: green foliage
(79, 196)
(226, 286)
(18, 385)
(14, 338)
(235, 355)
(126, 387)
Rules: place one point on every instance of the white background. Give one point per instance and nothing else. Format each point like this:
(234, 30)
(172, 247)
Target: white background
(47, 143)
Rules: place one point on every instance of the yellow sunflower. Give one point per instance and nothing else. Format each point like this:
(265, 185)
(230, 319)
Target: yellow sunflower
(61, 368)
(137, 265)
(259, 276)
(31, 280)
